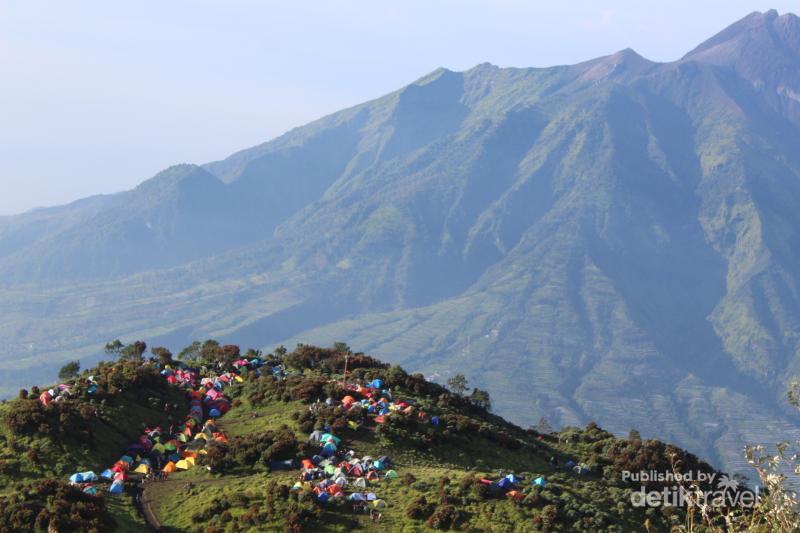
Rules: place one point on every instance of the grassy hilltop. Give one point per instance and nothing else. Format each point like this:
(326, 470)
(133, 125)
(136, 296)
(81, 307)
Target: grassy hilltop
(237, 486)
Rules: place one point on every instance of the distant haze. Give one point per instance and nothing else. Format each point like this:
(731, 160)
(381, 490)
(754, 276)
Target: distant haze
(98, 96)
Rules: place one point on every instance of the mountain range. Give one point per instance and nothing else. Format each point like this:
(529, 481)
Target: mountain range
(617, 240)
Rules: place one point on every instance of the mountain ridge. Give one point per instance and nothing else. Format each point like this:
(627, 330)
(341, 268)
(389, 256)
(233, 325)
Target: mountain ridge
(617, 232)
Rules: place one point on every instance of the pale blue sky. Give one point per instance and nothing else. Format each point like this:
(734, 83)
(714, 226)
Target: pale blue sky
(96, 96)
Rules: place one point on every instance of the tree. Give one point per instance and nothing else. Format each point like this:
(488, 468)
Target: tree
(341, 347)
(209, 351)
(281, 351)
(69, 370)
(163, 355)
(190, 353)
(544, 427)
(134, 352)
(114, 348)
(634, 435)
(481, 398)
(457, 384)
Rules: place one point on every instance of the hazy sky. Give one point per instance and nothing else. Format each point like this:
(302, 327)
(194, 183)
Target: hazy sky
(96, 96)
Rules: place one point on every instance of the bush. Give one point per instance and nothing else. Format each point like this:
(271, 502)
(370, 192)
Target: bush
(445, 517)
(419, 509)
(54, 506)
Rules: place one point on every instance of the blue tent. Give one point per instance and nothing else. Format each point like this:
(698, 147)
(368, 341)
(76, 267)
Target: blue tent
(541, 481)
(435, 420)
(116, 487)
(570, 464)
(90, 490)
(108, 474)
(357, 497)
(512, 478)
(504, 483)
(323, 497)
(82, 477)
(376, 384)
(214, 413)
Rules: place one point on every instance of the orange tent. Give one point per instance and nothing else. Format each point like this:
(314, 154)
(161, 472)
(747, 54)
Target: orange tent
(169, 467)
(347, 400)
(308, 464)
(515, 495)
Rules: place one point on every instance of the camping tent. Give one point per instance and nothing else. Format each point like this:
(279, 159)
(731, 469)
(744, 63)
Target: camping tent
(183, 465)
(83, 477)
(360, 483)
(142, 469)
(378, 504)
(116, 487)
(541, 481)
(391, 474)
(169, 467)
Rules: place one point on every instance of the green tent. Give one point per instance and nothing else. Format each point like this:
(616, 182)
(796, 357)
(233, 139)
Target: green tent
(391, 474)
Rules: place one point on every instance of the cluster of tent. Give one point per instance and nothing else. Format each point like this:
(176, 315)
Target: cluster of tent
(580, 469)
(177, 449)
(86, 479)
(329, 473)
(62, 391)
(56, 394)
(378, 401)
(511, 486)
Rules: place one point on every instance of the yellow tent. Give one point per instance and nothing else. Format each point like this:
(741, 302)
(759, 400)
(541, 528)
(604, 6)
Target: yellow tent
(201, 436)
(142, 469)
(189, 461)
(239, 379)
(182, 464)
(169, 467)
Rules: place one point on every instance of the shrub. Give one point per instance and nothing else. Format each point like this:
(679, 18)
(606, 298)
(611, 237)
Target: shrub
(444, 517)
(419, 509)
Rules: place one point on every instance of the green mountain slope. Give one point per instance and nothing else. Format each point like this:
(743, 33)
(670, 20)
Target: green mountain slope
(614, 240)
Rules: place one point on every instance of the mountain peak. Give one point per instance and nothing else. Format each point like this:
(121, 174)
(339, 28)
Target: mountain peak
(752, 38)
(620, 64)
